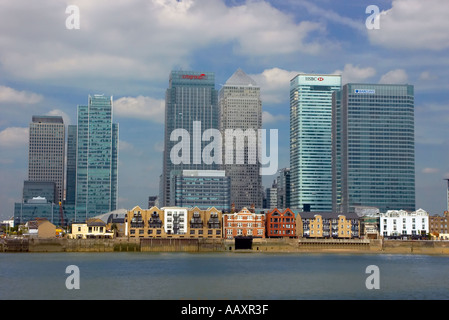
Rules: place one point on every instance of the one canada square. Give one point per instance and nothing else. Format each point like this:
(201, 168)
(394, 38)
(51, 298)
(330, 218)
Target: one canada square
(191, 108)
(241, 111)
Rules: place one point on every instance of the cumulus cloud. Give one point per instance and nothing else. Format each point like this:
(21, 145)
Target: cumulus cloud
(14, 137)
(11, 95)
(64, 115)
(413, 24)
(144, 43)
(397, 76)
(140, 107)
(274, 84)
(351, 73)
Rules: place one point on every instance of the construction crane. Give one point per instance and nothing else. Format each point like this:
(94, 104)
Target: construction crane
(61, 214)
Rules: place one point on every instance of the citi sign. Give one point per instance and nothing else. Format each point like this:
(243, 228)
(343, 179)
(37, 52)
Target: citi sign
(192, 76)
(314, 78)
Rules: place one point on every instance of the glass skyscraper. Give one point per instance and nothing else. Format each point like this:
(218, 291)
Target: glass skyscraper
(97, 158)
(374, 147)
(47, 152)
(311, 141)
(190, 106)
(201, 188)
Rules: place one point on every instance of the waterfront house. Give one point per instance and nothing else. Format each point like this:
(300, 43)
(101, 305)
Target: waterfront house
(438, 226)
(280, 224)
(243, 224)
(328, 225)
(174, 222)
(404, 224)
(93, 228)
(40, 228)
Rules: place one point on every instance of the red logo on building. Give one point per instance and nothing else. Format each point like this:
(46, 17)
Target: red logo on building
(197, 77)
(320, 79)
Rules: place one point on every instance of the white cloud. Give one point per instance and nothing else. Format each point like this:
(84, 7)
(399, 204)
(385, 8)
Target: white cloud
(64, 115)
(151, 38)
(14, 137)
(274, 84)
(413, 24)
(140, 107)
(270, 118)
(398, 76)
(351, 73)
(11, 95)
(430, 170)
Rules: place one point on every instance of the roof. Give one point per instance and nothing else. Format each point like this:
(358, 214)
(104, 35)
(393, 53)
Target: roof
(240, 78)
(327, 215)
(117, 216)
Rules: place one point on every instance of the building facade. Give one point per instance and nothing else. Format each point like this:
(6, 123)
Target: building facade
(438, 226)
(328, 225)
(191, 108)
(283, 189)
(201, 188)
(373, 147)
(96, 159)
(243, 223)
(311, 141)
(71, 165)
(240, 119)
(280, 224)
(174, 222)
(46, 153)
(401, 223)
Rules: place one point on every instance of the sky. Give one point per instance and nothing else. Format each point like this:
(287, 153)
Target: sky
(127, 48)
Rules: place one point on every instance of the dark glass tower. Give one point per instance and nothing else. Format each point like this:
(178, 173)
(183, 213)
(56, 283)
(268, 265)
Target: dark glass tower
(190, 102)
(374, 147)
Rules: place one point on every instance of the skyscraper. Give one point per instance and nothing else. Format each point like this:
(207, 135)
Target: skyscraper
(97, 158)
(190, 108)
(71, 165)
(47, 151)
(241, 109)
(374, 147)
(310, 141)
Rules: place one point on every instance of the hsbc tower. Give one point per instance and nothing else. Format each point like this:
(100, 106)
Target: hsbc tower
(311, 141)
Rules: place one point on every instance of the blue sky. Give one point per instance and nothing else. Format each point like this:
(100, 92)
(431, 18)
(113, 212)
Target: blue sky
(127, 48)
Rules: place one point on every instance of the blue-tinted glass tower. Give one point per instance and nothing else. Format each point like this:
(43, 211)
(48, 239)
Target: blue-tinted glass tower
(374, 147)
(97, 158)
(311, 141)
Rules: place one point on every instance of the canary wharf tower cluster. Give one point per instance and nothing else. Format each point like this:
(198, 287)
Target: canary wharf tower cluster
(351, 145)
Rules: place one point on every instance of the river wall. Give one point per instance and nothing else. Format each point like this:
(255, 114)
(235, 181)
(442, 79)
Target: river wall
(221, 245)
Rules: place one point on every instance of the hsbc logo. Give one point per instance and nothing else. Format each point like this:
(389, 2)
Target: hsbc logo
(314, 78)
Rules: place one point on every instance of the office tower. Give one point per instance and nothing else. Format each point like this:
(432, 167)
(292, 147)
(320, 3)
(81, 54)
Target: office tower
(272, 196)
(241, 110)
(447, 194)
(71, 165)
(283, 189)
(190, 108)
(374, 147)
(47, 151)
(310, 141)
(200, 188)
(41, 189)
(153, 201)
(97, 157)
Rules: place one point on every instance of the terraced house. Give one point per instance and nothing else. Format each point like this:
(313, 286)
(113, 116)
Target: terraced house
(174, 222)
(328, 225)
(280, 224)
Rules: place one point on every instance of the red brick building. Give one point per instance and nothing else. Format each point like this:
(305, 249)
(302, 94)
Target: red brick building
(243, 223)
(280, 224)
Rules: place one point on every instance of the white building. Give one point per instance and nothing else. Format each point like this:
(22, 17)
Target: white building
(175, 220)
(395, 223)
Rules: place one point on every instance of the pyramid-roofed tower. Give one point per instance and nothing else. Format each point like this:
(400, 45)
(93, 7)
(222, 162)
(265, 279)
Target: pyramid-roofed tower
(240, 78)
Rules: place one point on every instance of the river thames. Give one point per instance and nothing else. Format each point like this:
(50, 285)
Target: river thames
(218, 276)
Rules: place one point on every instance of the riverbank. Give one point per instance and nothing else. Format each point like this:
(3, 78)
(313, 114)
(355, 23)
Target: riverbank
(221, 245)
